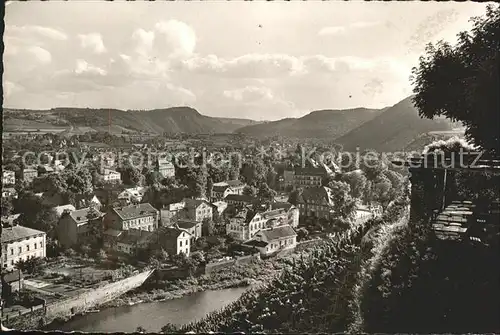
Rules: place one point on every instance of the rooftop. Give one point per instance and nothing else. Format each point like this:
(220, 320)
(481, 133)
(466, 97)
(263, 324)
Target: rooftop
(132, 238)
(256, 243)
(80, 215)
(240, 197)
(278, 232)
(315, 194)
(171, 232)
(281, 205)
(135, 211)
(60, 209)
(187, 224)
(10, 234)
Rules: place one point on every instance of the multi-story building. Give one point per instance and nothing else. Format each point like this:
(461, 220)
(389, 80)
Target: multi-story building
(272, 240)
(20, 244)
(133, 240)
(111, 176)
(9, 193)
(8, 178)
(140, 216)
(310, 176)
(192, 227)
(132, 195)
(165, 168)
(74, 227)
(29, 174)
(240, 200)
(169, 214)
(198, 210)
(316, 202)
(219, 207)
(223, 189)
(288, 177)
(292, 212)
(246, 224)
(175, 240)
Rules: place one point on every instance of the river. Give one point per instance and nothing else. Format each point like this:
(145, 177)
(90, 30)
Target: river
(153, 316)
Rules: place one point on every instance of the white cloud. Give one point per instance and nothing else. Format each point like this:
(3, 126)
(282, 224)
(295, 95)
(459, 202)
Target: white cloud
(10, 88)
(82, 67)
(145, 40)
(92, 41)
(36, 30)
(249, 93)
(178, 36)
(246, 66)
(335, 30)
(41, 54)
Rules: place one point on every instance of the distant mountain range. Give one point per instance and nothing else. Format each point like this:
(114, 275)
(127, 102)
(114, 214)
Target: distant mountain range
(393, 130)
(326, 123)
(172, 120)
(387, 129)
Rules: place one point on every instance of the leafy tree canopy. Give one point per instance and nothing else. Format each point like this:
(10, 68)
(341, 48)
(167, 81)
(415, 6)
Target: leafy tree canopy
(461, 82)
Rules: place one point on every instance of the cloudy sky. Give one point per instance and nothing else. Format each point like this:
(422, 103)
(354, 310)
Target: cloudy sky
(260, 60)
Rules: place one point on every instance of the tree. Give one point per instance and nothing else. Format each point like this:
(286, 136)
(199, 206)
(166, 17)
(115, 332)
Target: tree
(153, 177)
(250, 191)
(461, 82)
(302, 234)
(132, 176)
(294, 196)
(7, 207)
(140, 329)
(381, 191)
(169, 328)
(266, 192)
(357, 181)
(101, 255)
(343, 202)
(34, 214)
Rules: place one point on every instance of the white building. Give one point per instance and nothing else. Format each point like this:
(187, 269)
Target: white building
(21, 243)
(8, 177)
(244, 226)
(132, 195)
(273, 240)
(111, 176)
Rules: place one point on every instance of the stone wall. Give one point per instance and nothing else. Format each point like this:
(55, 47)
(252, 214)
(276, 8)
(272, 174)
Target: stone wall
(79, 303)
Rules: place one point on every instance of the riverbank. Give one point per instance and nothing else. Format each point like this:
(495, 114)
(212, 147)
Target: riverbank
(252, 274)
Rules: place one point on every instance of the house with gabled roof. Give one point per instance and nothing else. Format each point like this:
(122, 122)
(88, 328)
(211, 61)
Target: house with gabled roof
(174, 240)
(223, 189)
(140, 216)
(247, 223)
(274, 239)
(311, 176)
(133, 240)
(192, 226)
(74, 227)
(316, 202)
(20, 244)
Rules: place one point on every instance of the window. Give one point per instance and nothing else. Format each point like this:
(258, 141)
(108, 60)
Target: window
(11, 262)
(41, 244)
(28, 248)
(34, 244)
(180, 243)
(12, 251)
(20, 250)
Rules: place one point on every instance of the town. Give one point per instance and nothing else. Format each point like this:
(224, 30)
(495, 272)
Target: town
(90, 211)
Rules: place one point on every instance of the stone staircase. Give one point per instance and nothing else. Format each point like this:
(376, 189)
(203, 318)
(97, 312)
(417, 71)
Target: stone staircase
(452, 223)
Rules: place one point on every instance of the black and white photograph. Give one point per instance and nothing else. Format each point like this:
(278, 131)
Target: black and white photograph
(185, 167)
